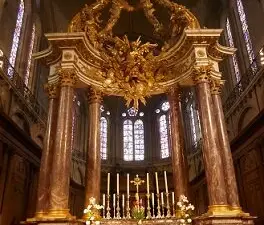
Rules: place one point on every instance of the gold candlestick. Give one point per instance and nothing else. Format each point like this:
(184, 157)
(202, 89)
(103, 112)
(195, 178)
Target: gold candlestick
(148, 207)
(158, 207)
(168, 205)
(108, 215)
(128, 208)
(117, 207)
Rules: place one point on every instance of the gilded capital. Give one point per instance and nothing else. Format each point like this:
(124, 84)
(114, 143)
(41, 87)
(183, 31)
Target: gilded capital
(94, 95)
(201, 74)
(67, 77)
(216, 86)
(52, 90)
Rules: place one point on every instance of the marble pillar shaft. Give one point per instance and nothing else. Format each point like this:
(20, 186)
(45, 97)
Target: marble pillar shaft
(47, 154)
(180, 179)
(227, 160)
(211, 151)
(62, 153)
(93, 163)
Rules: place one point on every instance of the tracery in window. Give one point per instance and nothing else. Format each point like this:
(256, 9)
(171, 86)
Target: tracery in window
(103, 137)
(16, 37)
(133, 135)
(29, 62)
(246, 35)
(164, 129)
(231, 44)
(139, 140)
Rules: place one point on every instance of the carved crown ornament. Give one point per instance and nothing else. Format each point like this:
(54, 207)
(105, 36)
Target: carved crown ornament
(116, 65)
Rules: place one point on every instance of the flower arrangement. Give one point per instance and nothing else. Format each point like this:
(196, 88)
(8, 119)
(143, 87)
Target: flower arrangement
(138, 211)
(185, 210)
(92, 212)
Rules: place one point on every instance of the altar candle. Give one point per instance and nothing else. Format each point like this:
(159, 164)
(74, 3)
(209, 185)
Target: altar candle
(108, 183)
(172, 196)
(117, 183)
(162, 199)
(157, 182)
(152, 198)
(123, 200)
(114, 200)
(128, 185)
(103, 199)
(165, 180)
(147, 183)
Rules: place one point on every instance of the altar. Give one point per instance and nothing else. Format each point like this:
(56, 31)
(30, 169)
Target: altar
(92, 57)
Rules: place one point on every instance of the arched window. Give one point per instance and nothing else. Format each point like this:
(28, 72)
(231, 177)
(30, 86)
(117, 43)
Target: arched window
(246, 35)
(16, 37)
(104, 133)
(133, 136)
(29, 62)
(231, 44)
(164, 129)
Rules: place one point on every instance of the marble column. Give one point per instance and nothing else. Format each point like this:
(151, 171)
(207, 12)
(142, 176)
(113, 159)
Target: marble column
(227, 160)
(60, 176)
(47, 153)
(93, 162)
(211, 151)
(180, 176)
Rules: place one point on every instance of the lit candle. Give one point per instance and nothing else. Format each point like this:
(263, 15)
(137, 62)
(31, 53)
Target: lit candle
(123, 200)
(108, 183)
(152, 198)
(114, 200)
(157, 182)
(117, 183)
(172, 196)
(162, 199)
(128, 185)
(103, 199)
(147, 183)
(166, 183)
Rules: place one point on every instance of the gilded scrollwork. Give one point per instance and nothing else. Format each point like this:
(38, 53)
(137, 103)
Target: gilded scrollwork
(216, 86)
(67, 77)
(201, 74)
(94, 95)
(52, 90)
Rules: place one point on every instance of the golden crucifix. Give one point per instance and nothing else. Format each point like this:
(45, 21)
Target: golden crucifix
(137, 182)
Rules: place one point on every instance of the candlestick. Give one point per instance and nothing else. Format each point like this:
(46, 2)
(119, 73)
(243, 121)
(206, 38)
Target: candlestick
(117, 183)
(123, 206)
(114, 198)
(153, 209)
(148, 207)
(173, 204)
(157, 182)
(128, 184)
(128, 208)
(108, 183)
(117, 207)
(108, 216)
(162, 204)
(168, 206)
(166, 183)
(158, 207)
(147, 183)
(104, 205)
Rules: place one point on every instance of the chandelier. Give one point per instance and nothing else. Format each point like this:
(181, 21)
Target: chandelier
(131, 69)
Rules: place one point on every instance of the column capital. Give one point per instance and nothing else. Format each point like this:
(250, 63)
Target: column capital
(94, 95)
(216, 86)
(201, 74)
(67, 77)
(51, 90)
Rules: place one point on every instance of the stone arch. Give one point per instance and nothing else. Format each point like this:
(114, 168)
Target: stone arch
(21, 120)
(246, 115)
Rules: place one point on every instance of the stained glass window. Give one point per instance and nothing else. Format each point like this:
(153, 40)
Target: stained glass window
(245, 30)
(231, 44)
(103, 138)
(132, 111)
(139, 140)
(31, 47)
(165, 106)
(16, 37)
(128, 140)
(164, 140)
(193, 124)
